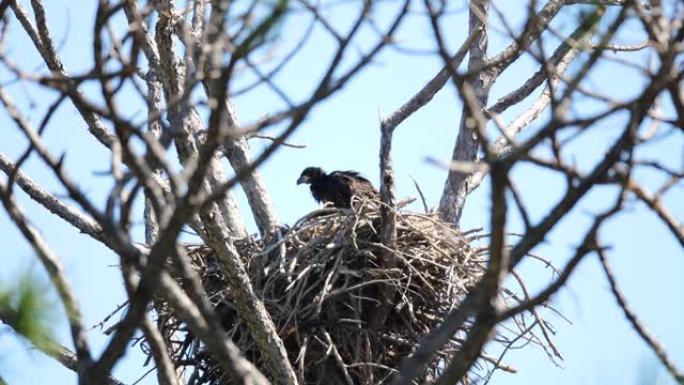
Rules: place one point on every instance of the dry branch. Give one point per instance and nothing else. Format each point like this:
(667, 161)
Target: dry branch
(61, 354)
(343, 296)
(322, 284)
(55, 270)
(633, 319)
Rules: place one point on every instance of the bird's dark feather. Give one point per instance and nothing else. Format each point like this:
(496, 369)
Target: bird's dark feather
(352, 174)
(339, 187)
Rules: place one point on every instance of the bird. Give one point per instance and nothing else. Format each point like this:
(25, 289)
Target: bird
(338, 187)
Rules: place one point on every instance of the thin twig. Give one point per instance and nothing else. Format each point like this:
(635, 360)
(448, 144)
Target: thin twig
(636, 323)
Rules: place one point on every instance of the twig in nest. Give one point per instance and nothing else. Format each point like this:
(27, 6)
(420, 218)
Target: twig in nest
(333, 277)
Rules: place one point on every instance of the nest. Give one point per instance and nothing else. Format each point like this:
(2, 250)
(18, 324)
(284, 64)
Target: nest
(347, 307)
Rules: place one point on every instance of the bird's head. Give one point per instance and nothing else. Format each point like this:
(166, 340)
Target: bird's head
(310, 174)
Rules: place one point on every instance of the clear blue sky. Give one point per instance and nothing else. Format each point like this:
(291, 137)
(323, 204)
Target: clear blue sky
(599, 347)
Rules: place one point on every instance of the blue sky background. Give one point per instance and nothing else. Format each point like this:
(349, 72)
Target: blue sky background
(343, 133)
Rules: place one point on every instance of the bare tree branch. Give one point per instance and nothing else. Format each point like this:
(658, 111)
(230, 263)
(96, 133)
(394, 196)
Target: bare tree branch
(55, 270)
(655, 204)
(430, 89)
(165, 370)
(562, 57)
(240, 370)
(51, 348)
(456, 186)
(248, 308)
(454, 194)
(56, 206)
(636, 323)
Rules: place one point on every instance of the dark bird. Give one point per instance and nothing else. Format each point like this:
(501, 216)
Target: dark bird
(338, 187)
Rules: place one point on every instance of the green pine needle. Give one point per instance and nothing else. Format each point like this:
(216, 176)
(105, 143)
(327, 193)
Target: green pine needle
(26, 308)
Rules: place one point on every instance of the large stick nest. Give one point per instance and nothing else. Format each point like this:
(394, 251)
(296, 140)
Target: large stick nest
(347, 307)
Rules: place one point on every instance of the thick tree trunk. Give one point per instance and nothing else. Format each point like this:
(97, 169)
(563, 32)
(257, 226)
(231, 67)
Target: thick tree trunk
(456, 186)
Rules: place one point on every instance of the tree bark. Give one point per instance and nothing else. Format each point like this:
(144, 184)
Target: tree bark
(456, 186)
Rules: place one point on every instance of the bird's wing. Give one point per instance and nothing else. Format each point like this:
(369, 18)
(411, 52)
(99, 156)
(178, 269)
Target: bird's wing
(351, 174)
(356, 184)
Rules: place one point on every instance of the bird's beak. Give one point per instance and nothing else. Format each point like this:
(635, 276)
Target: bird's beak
(302, 179)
